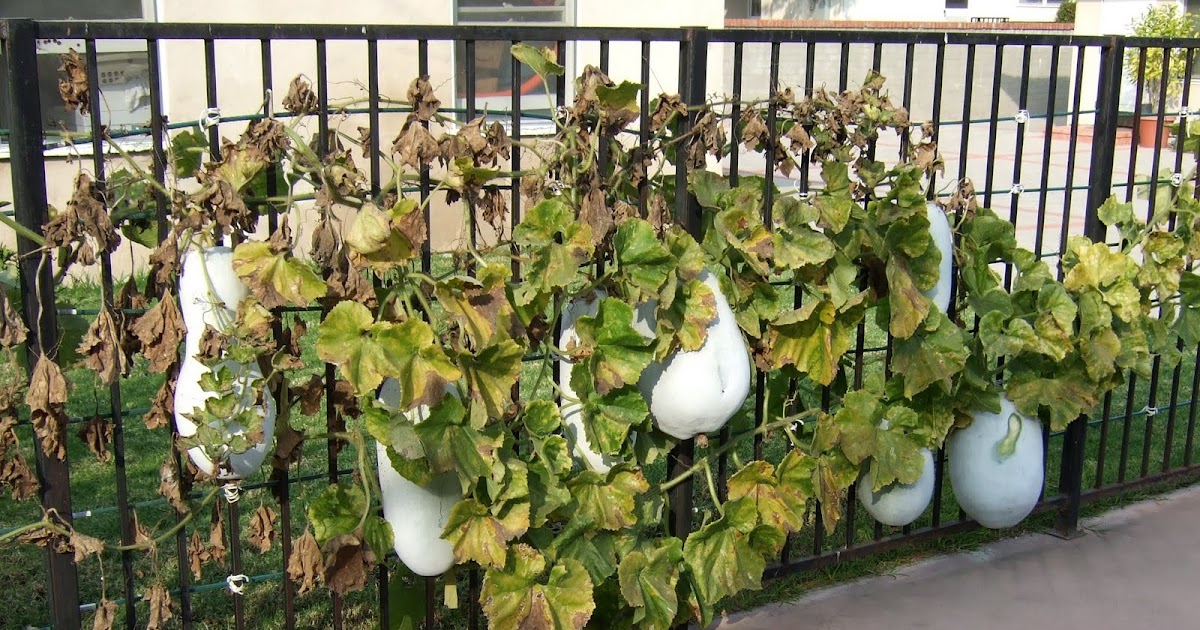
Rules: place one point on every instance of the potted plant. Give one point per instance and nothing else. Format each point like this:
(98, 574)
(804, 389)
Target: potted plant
(1161, 21)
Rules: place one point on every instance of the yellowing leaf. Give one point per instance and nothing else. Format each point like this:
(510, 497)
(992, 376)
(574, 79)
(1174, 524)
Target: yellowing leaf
(479, 536)
(276, 279)
(517, 596)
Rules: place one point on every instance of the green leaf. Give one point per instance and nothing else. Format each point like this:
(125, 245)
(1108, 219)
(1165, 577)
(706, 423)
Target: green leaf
(609, 503)
(516, 596)
(479, 536)
(813, 339)
(451, 443)
(378, 534)
(719, 555)
(542, 417)
(1095, 266)
(908, 306)
(491, 374)
(541, 61)
(619, 351)
(557, 245)
(1065, 396)
(757, 482)
(795, 480)
(934, 354)
(276, 279)
(608, 418)
(708, 188)
(187, 152)
(648, 579)
(595, 550)
(367, 351)
(683, 323)
(336, 511)
(642, 262)
(406, 601)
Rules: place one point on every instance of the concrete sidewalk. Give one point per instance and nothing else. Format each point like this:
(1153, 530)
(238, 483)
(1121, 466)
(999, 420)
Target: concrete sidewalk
(1136, 567)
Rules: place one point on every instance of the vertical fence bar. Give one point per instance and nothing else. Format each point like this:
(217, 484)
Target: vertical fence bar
(159, 137)
(644, 126)
(37, 287)
(106, 293)
(426, 184)
(693, 76)
(1104, 143)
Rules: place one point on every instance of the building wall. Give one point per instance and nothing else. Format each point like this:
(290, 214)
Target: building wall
(909, 10)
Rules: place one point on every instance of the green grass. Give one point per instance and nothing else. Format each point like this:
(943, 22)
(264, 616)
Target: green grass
(93, 487)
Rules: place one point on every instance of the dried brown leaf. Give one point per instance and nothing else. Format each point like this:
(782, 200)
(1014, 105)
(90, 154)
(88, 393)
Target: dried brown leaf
(51, 430)
(420, 96)
(73, 85)
(85, 545)
(97, 433)
(414, 145)
(216, 534)
(16, 475)
(160, 330)
(197, 556)
(163, 405)
(324, 243)
(305, 565)
(262, 528)
(300, 98)
(309, 395)
(12, 327)
(47, 386)
(160, 607)
(348, 561)
(670, 109)
(168, 485)
(106, 614)
(102, 350)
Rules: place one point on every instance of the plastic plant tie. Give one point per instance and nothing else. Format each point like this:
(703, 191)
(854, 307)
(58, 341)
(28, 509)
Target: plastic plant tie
(1150, 411)
(269, 104)
(1022, 116)
(1018, 188)
(233, 491)
(1177, 179)
(209, 117)
(237, 583)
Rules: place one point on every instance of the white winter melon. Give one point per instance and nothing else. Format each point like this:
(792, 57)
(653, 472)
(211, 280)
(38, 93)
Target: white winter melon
(697, 392)
(996, 466)
(899, 504)
(417, 514)
(209, 293)
(190, 396)
(943, 239)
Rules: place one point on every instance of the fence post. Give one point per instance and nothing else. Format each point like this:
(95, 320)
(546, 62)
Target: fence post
(693, 72)
(1104, 141)
(37, 286)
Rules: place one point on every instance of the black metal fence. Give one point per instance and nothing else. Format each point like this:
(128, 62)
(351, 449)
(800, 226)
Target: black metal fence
(1035, 119)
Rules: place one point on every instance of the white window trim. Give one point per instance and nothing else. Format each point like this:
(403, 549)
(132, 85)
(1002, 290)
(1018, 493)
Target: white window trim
(530, 127)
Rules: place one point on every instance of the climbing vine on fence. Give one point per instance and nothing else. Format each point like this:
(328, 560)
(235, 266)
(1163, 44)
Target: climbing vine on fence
(562, 545)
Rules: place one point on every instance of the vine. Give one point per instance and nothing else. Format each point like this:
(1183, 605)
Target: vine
(563, 545)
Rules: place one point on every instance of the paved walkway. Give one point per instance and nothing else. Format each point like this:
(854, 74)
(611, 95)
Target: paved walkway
(1136, 567)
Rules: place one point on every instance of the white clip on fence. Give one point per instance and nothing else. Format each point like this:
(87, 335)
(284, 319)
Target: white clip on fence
(1177, 180)
(1150, 411)
(237, 583)
(233, 491)
(1022, 116)
(209, 117)
(1018, 188)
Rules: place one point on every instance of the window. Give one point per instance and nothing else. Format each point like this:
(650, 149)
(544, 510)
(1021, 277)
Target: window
(493, 81)
(956, 4)
(1042, 2)
(123, 69)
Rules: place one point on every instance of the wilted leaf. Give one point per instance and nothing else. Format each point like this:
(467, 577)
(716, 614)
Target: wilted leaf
(422, 99)
(12, 328)
(168, 486)
(47, 387)
(542, 61)
(276, 278)
(337, 511)
(515, 595)
(160, 331)
(347, 562)
(491, 373)
(159, 600)
(97, 433)
(85, 545)
(477, 535)
(106, 614)
(305, 566)
(757, 482)
(162, 406)
(300, 98)
(262, 528)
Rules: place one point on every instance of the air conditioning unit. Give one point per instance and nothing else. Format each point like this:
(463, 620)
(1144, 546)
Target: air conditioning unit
(124, 92)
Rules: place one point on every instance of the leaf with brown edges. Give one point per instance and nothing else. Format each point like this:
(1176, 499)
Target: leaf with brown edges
(305, 566)
(160, 331)
(97, 433)
(262, 528)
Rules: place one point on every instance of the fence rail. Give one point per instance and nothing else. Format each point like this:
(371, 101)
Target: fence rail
(1000, 86)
